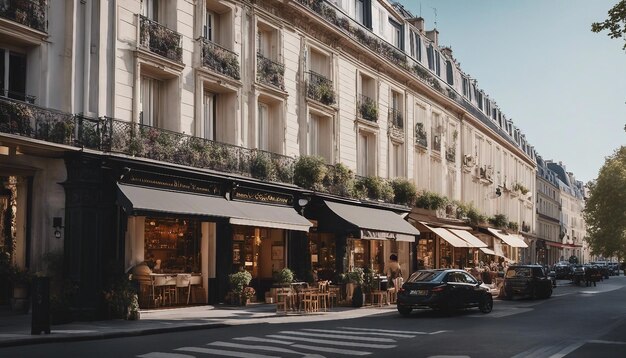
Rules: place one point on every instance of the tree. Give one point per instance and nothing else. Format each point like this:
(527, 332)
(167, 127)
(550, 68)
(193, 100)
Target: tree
(605, 211)
(615, 24)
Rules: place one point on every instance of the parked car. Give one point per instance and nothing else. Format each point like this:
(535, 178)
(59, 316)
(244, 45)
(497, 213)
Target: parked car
(562, 270)
(604, 268)
(443, 289)
(526, 280)
(577, 273)
(615, 267)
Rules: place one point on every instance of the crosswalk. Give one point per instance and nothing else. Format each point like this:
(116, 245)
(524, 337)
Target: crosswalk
(306, 342)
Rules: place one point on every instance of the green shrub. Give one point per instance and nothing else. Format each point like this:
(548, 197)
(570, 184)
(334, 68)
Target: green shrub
(261, 167)
(513, 225)
(309, 172)
(283, 277)
(339, 180)
(499, 221)
(404, 191)
(239, 280)
(431, 201)
(374, 188)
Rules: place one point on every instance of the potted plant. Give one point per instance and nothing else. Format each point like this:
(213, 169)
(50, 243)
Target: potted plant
(238, 282)
(283, 277)
(20, 280)
(121, 299)
(354, 280)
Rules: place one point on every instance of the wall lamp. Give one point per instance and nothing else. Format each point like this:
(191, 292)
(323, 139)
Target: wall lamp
(57, 224)
(302, 202)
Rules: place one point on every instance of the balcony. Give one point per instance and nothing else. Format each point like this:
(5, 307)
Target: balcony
(421, 138)
(111, 135)
(356, 31)
(396, 119)
(31, 13)
(367, 108)
(220, 59)
(320, 88)
(18, 96)
(270, 72)
(160, 40)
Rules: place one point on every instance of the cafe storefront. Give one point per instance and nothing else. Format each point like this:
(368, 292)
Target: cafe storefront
(203, 230)
(350, 234)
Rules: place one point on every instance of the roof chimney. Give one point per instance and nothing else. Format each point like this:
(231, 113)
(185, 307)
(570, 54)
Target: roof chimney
(433, 35)
(418, 22)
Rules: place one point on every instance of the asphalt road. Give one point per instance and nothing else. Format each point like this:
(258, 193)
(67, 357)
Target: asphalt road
(575, 322)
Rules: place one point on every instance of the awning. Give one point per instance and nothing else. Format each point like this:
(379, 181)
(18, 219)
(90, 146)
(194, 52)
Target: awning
(488, 251)
(447, 235)
(511, 240)
(141, 201)
(472, 240)
(271, 216)
(374, 223)
(555, 244)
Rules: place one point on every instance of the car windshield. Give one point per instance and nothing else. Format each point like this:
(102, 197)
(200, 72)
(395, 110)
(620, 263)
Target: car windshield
(518, 272)
(425, 276)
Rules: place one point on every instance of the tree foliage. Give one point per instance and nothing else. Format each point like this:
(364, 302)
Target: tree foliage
(605, 212)
(615, 24)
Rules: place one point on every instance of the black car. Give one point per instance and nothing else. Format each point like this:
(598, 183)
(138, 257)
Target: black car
(526, 280)
(443, 289)
(562, 270)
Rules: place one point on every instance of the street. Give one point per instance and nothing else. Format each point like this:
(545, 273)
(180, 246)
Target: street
(577, 321)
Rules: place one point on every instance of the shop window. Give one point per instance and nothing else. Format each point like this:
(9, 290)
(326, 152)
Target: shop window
(259, 251)
(172, 243)
(323, 250)
(368, 253)
(425, 253)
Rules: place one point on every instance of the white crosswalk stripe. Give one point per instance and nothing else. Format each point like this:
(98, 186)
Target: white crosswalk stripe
(360, 332)
(334, 343)
(224, 353)
(306, 342)
(339, 336)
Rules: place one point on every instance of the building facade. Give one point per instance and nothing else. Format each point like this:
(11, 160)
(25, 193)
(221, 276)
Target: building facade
(176, 138)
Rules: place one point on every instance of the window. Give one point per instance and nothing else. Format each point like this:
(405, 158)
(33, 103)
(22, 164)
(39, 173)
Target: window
(151, 101)
(209, 110)
(320, 137)
(438, 63)
(431, 57)
(150, 9)
(267, 39)
(465, 86)
(436, 129)
(396, 38)
(449, 73)
(13, 75)
(209, 25)
(396, 160)
(416, 46)
(366, 154)
(263, 127)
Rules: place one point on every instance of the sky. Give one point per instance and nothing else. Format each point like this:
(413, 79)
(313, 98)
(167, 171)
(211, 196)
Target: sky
(561, 84)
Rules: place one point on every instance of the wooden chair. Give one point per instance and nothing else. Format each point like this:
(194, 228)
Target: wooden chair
(284, 299)
(323, 295)
(162, 290)
(183, 281)
(334, 294)
(310, 301)
(379, 297)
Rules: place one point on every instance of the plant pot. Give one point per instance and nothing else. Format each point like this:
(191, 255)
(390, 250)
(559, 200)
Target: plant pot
(133, 316)
(20, 291)
(358, 297)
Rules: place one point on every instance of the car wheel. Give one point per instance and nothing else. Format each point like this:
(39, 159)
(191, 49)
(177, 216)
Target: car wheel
(549, 292)
(486, 304)
(404, 311)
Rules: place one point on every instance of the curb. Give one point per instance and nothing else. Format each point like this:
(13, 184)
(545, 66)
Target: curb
(51, 338)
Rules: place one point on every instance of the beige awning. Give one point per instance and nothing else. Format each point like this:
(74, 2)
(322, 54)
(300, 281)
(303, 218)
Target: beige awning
(488, 251)
(447, 235)
(511, 240)
(472, 240)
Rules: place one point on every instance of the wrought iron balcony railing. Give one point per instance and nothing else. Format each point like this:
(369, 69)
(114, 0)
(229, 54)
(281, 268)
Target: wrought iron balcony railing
(367, 108)
(27, 120)
(158, 39)
(421, 138)
(320, 88)
(396, 118)
(220, 59)
(111, 135)
(31, 13)
(17, 95)
(270, 72)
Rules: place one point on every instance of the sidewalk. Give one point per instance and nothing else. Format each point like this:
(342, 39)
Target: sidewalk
(15, 328)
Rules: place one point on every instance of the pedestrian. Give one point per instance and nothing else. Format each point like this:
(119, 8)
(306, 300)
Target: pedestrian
(394, 271)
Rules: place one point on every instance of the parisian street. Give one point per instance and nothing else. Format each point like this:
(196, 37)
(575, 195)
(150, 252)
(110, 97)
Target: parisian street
(577, 321)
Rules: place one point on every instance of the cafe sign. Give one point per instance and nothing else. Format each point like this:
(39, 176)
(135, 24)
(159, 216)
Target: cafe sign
(262, 196)
(173, 183)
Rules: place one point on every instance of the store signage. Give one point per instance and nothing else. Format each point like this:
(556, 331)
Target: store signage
(173, 183)
(262, 196)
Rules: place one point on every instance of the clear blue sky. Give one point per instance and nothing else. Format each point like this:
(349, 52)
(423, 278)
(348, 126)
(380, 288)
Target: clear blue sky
(563, 85)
